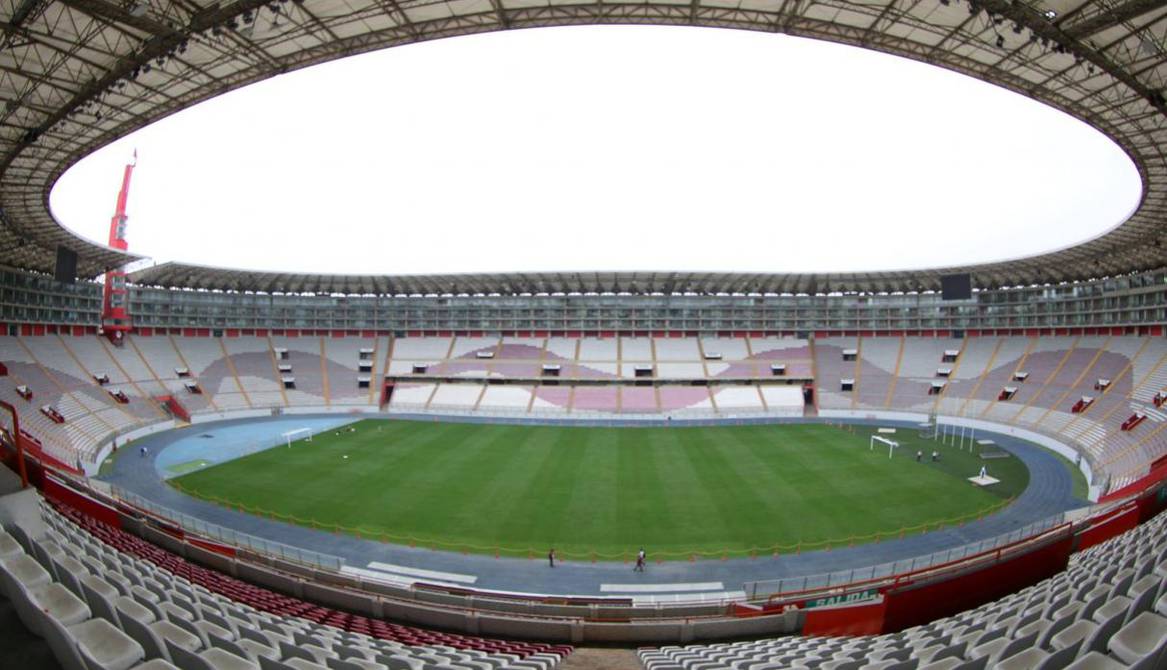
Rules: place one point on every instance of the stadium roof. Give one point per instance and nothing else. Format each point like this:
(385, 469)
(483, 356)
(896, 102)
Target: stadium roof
(537, 283)
(77, 74)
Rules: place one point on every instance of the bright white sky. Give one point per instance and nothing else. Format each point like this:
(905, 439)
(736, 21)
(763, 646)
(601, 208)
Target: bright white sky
(608, 148)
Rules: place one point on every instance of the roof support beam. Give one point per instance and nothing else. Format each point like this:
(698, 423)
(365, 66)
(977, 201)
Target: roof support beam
(76, 60)
(1113, 17)
(103, 10)
(501, 13)
(1040, 26)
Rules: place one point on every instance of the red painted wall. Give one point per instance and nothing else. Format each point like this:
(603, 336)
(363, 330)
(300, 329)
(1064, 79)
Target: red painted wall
(1157, 474)
(212, 546)
(82, 503)
(1151, 504)
(914, 605)
(866, 619)
(1112, 525)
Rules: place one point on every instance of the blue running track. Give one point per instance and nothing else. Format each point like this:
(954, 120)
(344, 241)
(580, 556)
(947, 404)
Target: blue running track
(1049, 493)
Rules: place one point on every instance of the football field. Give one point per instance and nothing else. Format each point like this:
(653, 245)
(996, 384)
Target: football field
(604, 492)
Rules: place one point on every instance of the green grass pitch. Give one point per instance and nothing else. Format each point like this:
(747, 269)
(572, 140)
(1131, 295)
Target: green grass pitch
(603, 492)
(189, 466)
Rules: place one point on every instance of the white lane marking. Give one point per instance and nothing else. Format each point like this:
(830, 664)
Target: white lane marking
(661, 588)
(392, 579)
(418, 572)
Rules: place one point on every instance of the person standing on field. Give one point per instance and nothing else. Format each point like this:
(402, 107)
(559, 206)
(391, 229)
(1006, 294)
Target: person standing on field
(639, 561)
(551, 557)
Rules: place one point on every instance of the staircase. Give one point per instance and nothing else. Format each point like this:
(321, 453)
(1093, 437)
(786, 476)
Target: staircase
(596, 658)
(174, 408)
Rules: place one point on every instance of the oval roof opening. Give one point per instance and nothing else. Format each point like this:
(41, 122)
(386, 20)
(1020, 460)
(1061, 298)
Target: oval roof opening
(609, 148)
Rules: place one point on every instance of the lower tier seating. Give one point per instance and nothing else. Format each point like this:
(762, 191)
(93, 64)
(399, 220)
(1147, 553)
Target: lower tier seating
(105, 599)
(1107, 611)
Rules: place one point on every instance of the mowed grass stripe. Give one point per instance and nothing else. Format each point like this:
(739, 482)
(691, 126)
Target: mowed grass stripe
(604, 492)
(591, 512)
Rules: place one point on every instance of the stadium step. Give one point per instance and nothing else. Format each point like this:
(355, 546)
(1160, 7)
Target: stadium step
(1154, 414)
(598, 658)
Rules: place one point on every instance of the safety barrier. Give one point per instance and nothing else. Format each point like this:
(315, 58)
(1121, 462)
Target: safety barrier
(765, 588)
(227, 535)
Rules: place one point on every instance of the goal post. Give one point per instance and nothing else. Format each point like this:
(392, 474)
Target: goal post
(297, 434)
(891, 444)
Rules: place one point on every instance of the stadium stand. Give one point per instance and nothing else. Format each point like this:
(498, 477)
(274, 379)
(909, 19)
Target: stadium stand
(303, 355)
(456, 397)
(887, 373)
(1108, 609)
(507, 398)
(681, 349)
(595, 399)
(1104, 616)
(105, 599)
(639, 400)
(782, 400)
(679, 398)
(1049, 326)
(552, 399)
(251, 363)
(340, 357)
(737, 399)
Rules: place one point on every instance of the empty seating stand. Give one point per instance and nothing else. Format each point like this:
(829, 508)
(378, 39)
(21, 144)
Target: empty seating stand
(51, 412)
(1133, 421)
(106, 599)
(1107, 610)
(1094, 393)
(103, 598)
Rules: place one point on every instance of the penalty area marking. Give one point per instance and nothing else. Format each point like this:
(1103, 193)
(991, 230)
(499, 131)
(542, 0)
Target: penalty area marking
(425, 574)
(661, 588)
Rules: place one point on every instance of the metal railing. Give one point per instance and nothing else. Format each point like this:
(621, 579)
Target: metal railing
(591, 417)
(212, 531)
(765, 588)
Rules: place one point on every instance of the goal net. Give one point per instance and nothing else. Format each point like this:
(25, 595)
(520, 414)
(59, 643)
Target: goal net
(298, 434)
(930, 428)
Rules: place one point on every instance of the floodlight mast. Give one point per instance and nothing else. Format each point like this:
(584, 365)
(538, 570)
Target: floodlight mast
(115, 304)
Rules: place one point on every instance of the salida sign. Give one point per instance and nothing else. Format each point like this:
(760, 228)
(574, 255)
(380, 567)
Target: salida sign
(843, 599)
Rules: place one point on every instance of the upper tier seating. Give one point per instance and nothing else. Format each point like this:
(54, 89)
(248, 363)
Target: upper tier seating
(341, 360)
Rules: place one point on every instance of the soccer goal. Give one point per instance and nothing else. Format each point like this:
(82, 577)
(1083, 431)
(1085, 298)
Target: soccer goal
(297, 434)
(930, 429)
(891, 444)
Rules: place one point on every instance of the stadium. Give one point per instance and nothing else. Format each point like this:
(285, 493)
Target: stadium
(955, 467)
